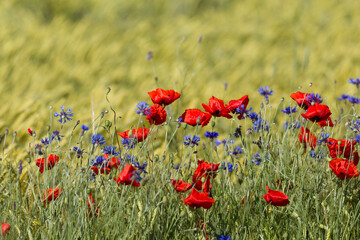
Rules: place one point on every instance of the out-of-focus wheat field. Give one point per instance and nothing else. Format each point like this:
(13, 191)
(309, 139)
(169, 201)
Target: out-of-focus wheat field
(65, 52)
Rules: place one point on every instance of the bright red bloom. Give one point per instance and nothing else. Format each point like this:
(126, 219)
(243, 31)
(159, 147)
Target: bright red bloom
(140, 134)
(50, 162)
(206, 170)
(343, 168)
(163, 97)
(191, 116)
(91, 206)
(181, 186)
(340, 147)
(240, 103)
(276, 198)
(114, 162)
(320, 114)
(5, 228)
(51, 194)
(103, 170)
(157, 115)
(197, 200)
(31, 132)
(307, 138)
(300, 99)
(216, 108)
(128, 176)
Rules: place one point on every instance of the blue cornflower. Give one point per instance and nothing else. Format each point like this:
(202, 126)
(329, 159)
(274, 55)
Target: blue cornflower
(343, 97)
(312, 97)
(98, 139)
(320, 155)
(178, 166)
(289, 110)
(230, 166)
(291, 125)
(260, 124)
(355, 126)
(357, 138)
(64, 116)
(253, 116)
(45, 141)
(211, 135)
(20, 167)
(84, 127)
(353, 100)
(56, 135)
(193, 141)
(237, 132)
(266, 92)
(223, 237)
(355, 82)
(98, 161)
(226, 142)
(256, 159)
(111, 150)
(38, 148)
(236, 151)
(128, 143)
(323, 139)
(79, 152)
(141, 167)
(143, 108)
(242, 110)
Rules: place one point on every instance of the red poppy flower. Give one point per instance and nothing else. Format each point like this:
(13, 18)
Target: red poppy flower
(31, 132)
(206, 170)
(5, 228)
(140, 134)
(320, 114)
(240, 103)
(114, 162)
(163, 97)
(307, 138)
(103, 170)
(340, 147)
(180, 186)
(300, 99)
(343, 168)
(51, 194)
(50, 162)
(91, 206)
(157, 115)
(276, 198)
(128, 176)
(216, 108)
(191, 116)
(197, 200)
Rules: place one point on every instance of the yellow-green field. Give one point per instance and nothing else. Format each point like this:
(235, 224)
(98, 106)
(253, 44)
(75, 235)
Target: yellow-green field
(68, 52)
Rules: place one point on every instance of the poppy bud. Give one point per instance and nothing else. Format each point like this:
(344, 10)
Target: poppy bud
(198, 121)
(165, 200)
(28, 159)
(213, 124)
(163, 157)
(88, 191)
(140, 145)
(48, 128)
(108, 90)
(108, 124)
(171, 157)
(184, 125)
(156, 157)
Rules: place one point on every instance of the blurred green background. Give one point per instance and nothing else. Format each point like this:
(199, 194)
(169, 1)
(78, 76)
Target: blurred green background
(66, 52)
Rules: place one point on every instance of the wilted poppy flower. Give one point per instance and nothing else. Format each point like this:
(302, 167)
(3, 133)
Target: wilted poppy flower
(49, 162)
(128, 176)
(216, 108)
(5, 228)
(340, 147)
(343, 168)
(92, 206)
(181, 186)
(157, 115)
(163, 97)
(195, 117)
(320, 114)
(197, 200)
(103, 170)
(276, 198)
(301, 99)
(51, 194)
(31, 132)
(140, 134)
(307, 138)
(113, 162)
